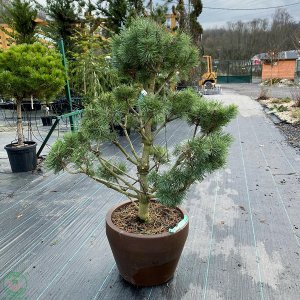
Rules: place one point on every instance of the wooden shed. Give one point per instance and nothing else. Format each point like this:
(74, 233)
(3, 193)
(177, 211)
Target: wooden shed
(283, 65)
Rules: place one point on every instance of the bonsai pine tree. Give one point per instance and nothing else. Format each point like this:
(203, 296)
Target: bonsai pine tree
(149, 57)
(30, 71)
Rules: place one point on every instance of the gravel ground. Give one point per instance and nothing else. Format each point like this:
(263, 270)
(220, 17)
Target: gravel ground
(291, 132)
(253, 90)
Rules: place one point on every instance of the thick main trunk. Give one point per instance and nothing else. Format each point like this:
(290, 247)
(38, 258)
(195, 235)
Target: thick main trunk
(19, 123)
(143, 171)
(143, 213)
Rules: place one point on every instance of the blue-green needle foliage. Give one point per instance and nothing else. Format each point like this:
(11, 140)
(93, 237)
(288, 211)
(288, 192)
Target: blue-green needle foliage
(145, 50)
(196, 158)
(150, 58)
(211, 115)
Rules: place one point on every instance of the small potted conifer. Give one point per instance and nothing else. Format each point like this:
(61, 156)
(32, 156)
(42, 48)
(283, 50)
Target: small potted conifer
(46, 118)
(28, 71)
(147, 233)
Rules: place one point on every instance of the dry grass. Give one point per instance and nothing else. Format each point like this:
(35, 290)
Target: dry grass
(296, 114)
(295, 93)
(263, 95)
(282, 100)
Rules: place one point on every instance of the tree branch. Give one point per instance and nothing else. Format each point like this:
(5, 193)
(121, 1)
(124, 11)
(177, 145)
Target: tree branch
(124, 173)
(195, 131)
(128, 184)
(122, 149)
(65, 168)
(165, 81)
(168, 120)
(139, 118)
(124, 126)
(182, 156)
(114, 187)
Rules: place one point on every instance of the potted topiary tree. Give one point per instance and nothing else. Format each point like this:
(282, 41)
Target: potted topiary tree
(28, 71)
(148, 232)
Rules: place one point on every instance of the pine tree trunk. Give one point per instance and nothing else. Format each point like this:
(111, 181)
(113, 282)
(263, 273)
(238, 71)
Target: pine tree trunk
(19, 123)
(143, 171)
(143, 212)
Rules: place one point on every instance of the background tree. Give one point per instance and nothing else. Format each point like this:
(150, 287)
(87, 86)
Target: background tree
(64, 19)
(181, 15)
(157, 12)
(119, 13)
(3, 3)
(282, 30)
(91, 73)
(30, 71)
(20, 15)
(115, 13)
(272, 57)
(187, 17)
(242, 40)
(196, 29)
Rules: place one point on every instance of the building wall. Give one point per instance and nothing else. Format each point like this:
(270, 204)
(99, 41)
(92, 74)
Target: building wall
(282, 69)
(4, 38)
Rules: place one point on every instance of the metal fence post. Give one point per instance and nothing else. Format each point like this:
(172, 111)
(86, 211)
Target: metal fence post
(67, 86)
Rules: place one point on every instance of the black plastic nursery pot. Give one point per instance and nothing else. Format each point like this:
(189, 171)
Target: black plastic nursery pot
(22, 159)
(47, 120)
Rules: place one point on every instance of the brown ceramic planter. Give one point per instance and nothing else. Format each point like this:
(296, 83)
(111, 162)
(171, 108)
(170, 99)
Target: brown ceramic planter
(145, 260)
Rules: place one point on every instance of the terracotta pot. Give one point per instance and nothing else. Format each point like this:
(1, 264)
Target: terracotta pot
(145, 260)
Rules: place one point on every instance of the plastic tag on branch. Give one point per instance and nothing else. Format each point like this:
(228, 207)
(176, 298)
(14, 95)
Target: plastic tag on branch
(143, 93)
(180, 225)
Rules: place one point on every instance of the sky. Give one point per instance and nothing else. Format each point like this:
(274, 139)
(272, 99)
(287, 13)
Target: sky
(211, 18)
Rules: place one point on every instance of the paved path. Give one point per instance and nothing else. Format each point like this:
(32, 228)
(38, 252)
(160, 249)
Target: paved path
(244, 240)
(253, 90)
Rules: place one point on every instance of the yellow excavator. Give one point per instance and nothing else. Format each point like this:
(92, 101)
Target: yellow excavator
(208, 80)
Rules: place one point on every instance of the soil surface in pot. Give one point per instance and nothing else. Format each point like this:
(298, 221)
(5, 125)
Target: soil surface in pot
(162, 218)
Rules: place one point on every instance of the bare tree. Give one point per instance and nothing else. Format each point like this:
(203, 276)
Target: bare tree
(242, 40)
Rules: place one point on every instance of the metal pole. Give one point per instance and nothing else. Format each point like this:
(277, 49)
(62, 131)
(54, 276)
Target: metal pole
(47, 137)
(67, 86)
(57, 119)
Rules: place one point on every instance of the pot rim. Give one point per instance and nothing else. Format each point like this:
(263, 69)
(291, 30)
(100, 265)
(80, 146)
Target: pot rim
(28, 144)
(140, 235)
